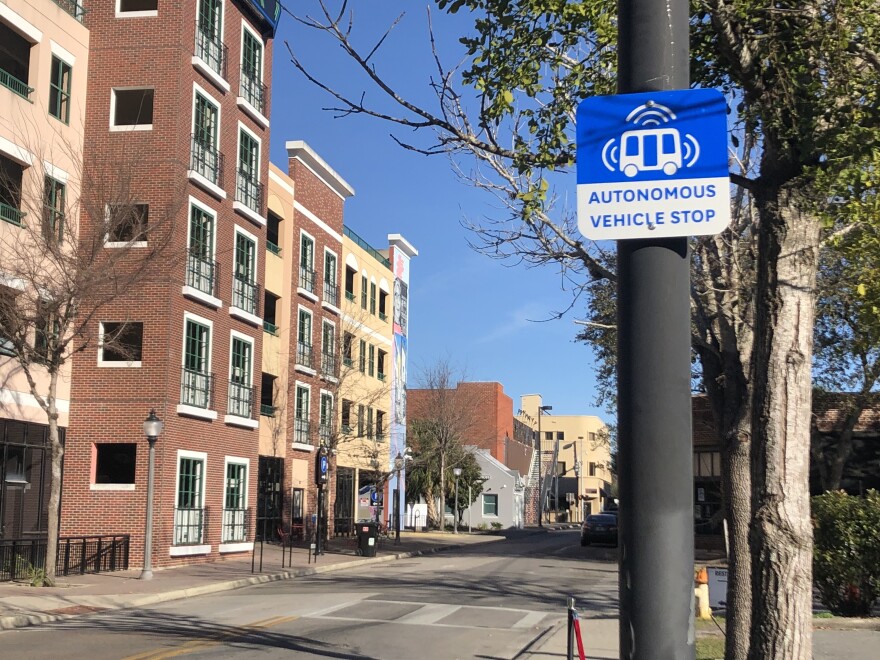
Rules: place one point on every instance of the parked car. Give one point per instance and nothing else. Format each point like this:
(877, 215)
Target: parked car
(599, 528)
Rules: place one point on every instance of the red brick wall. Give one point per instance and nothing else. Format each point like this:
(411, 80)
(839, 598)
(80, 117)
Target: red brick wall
(110, 404)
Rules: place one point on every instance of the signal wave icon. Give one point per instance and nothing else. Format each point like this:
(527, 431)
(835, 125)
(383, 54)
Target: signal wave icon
(651, 146)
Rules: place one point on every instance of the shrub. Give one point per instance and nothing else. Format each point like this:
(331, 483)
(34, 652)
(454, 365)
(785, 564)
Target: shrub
(846, 551)
(496, 525)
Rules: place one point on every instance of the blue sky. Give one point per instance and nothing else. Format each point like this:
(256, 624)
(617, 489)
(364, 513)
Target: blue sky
(483, 315)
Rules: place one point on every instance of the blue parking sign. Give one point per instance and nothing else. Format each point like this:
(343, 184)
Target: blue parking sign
(653, 165)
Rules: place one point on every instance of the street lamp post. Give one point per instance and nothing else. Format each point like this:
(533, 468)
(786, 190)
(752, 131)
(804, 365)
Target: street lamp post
(457, 473)
(398, 466)
(152, 429)
(541, 409)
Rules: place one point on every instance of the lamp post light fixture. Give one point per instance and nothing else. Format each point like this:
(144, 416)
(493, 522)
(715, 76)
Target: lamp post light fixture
(398, 466)
(541, 409)
(457, 473)
(152, 429)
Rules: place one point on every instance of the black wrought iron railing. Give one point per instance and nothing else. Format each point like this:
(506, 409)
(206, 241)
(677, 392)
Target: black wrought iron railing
(206, 160)
(331, 293)
(190, 525)
(304, 356)
(249, 191)
(19, 558)
(245, 295)
(235, 525)
(325, 433)
(73, 8)
(241, 400)
(307, 279)
(201, 273)
(196, 388)
(254, 91)
(301, 429)
(212, 51)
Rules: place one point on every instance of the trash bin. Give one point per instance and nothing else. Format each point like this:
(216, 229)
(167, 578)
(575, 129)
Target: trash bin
(367, 538)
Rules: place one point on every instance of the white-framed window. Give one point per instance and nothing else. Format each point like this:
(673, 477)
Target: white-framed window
(201, 264)
(301, 414)
(244, 272)
(189, 501)
(241, 376)
(131, 108)
(209, 35)
(325, 423)
(328, 350)
(306, 262)
(120, 343)
(205, 156)
(235, 487)
(304, 349)
(196, 385)
(331, 282)
(137, 8)
(490, 504)
(252, 89)
(249, 189)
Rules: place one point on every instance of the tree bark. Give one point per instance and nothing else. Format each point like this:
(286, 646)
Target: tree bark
(441, 514)
(56, 450)
(781, 538)
(728, 391)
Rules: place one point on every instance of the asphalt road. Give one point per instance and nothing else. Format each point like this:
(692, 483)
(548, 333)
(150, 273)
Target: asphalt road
(481, 602)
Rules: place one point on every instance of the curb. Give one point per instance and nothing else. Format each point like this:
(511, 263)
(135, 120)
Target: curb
(25, 620)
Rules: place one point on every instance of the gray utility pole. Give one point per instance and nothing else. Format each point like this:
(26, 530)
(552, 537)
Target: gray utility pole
(655, 459)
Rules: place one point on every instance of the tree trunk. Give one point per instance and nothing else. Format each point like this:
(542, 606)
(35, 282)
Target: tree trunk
(781, 538)
(442, 512)
(56, 462)
(431, 507)
(729, 394)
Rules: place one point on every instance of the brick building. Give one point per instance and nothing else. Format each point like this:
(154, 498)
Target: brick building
(177, 122)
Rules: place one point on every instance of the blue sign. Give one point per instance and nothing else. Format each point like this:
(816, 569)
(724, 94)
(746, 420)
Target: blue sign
(653, 165)
(374, 496)
(324, 465)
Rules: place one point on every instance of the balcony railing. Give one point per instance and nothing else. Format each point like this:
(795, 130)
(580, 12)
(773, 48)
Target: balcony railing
(244, 294)
(235, 525)
(380, 435)
(301, 428)
(11, 214)
(271, 328)
(254, 91)
(304, 357)
(380, 375)
(249, 191)
(369, 249)
(73, 8)
(189, 525)
(196, 388)
(15, 85)
(307, 279)
(383, 316)
(201, 273)
(325, 433)
(206, 160)
(328, 365)
(267, 410)
(241, 400)
(273, 248)
(348, 362)
(212, 51)
(331, 293)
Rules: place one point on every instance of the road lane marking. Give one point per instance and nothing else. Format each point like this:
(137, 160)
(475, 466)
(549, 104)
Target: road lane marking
(428, 614)
(211, 641)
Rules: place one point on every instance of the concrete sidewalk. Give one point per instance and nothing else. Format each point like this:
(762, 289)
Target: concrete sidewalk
(22, 605)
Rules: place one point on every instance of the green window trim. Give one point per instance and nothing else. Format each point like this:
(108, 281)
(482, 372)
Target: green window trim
(364, 291)
(302, 402)
(236, 485)
(242, 352)
(196, 346)
(55, 195)
(189, 483)
(59, 90)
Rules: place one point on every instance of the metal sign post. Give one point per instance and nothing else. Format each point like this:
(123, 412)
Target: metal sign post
(652, 170)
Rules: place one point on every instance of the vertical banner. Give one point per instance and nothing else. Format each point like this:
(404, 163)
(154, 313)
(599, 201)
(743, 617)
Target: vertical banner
(400, 254)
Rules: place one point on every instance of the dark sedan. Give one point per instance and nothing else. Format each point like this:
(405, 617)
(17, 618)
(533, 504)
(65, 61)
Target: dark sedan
(599, 528)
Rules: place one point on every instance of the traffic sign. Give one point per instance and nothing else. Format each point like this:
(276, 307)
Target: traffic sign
(653, 165)
(322, 467)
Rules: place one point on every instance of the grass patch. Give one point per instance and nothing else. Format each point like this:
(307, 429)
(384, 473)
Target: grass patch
(823, 615)
(710, 648)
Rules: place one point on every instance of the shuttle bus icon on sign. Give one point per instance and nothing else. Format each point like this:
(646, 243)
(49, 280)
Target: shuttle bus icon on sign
(652, 164)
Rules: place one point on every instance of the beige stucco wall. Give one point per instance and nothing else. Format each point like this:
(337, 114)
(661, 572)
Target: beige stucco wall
(30, 136)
